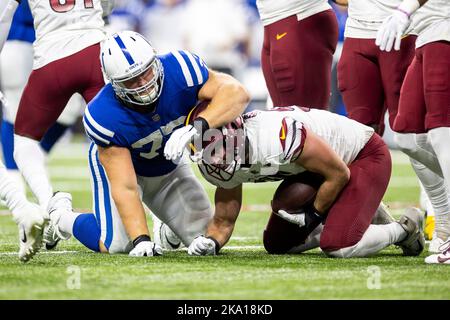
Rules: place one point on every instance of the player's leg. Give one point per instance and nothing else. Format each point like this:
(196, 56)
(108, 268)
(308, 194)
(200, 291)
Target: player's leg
(348, 231)
(101, 231)
(436, 76)
(16, 63)
(180, 202)
(359, 81)
(300, 57)
(274, 98)
(45, 96)
(393, 68)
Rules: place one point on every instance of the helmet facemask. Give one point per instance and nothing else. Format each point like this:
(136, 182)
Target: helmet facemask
(142, 95)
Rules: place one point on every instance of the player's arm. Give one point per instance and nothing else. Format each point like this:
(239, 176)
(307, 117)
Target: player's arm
(124, 190)
(317, 156)
(228, 96)
(7, 9)
(227, 207)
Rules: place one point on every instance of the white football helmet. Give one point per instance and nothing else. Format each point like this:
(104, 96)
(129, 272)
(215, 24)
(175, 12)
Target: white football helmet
(126, 56)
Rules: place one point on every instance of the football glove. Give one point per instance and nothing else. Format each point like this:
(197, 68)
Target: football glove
(203, 246)
(308, 218)
(144, 247)
(178, 141)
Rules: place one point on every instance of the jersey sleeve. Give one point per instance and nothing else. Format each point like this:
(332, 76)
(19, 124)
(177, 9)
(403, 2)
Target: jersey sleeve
(193, 68)
(292, 138)
(98, 131)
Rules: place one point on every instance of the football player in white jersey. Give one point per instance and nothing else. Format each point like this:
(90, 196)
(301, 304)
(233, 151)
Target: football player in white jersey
(271, 145)
(66, 52)
(423, 120)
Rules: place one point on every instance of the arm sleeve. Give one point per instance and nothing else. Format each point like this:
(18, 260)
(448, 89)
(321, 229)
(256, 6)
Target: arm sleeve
(7, 10)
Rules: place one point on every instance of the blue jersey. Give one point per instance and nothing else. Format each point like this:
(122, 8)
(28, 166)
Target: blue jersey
(109, 122)
(22, 27)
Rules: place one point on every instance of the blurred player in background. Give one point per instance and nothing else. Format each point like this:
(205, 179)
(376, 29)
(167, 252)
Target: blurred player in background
(16, 64)
(272, 145)
(66, 61)
(370, 79)
(300, 37)
(422, 124)
(136, 124)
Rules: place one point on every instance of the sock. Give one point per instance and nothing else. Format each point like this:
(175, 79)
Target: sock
(10, 193)
(52, 136)
(425, 203)
(8, 144)
(31, 162)
(87, 231)
(417, 147)
(375, 239)
(437, 192)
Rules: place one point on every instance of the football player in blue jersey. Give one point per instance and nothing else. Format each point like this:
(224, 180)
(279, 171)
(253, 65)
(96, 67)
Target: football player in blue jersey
(136, 125)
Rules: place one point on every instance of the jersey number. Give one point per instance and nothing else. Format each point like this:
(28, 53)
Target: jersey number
(156, 138)
(68, 5)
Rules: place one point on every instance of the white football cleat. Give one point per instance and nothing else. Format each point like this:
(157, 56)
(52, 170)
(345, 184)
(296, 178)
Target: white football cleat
(441, 258)
(164, 236)
(435, 244)
(31, 223)
(59, 204)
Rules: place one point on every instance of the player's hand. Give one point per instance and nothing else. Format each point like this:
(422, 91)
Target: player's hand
(392, 30)
(202, 246)
(146, 249)
(295, 218)
(178, 141)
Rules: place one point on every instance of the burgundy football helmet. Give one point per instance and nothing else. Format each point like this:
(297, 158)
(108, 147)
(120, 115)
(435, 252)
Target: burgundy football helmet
(219, 151)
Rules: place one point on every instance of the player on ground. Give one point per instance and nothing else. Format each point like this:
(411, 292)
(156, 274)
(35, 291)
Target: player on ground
(66, 61)
(300, 37)
(423, 120)
(136, 124)
(353, 160)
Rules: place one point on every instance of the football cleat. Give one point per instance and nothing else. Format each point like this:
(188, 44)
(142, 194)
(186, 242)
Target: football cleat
(441, 258)
(412, 222)
(435, 244)
(31, 224)
(59, 204)
(164, 236)
(382, 215)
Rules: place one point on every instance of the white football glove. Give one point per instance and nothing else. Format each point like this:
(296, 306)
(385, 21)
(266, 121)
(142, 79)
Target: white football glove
(146, 249)
(202, 246)
(392, 30)
(178, 141)
(295, 218)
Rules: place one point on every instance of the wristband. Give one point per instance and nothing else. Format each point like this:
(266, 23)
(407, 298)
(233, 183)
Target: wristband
(408, 7)
(217, 248)
(141, 238)
(202, 124)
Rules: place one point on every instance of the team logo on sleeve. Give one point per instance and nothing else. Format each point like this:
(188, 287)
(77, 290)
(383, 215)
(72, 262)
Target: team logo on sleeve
(292, 137)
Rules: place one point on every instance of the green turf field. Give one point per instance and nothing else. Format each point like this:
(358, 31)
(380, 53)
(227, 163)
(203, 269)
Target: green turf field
(242, 271)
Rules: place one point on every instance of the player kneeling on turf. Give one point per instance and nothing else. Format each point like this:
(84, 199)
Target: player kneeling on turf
(352, 160)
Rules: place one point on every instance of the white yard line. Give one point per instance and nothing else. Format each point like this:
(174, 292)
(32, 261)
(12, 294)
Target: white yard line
(40, 252)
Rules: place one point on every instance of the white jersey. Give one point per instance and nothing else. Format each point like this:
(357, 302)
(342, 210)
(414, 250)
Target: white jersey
(64, 28)
(272, 11)
(276, 139)
(432, 22)
(365, 17)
